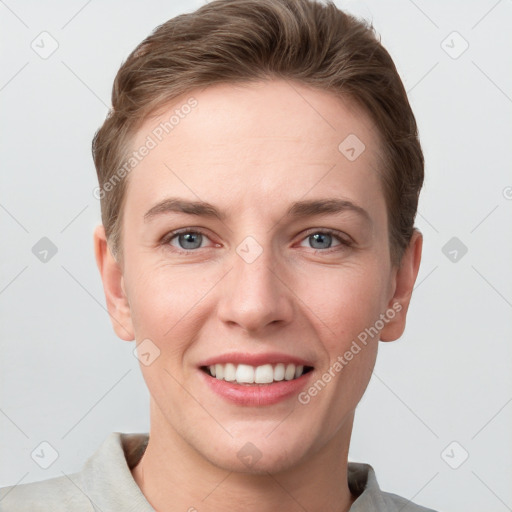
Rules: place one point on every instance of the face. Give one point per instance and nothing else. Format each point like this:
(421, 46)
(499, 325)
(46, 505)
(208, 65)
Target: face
(254, 248)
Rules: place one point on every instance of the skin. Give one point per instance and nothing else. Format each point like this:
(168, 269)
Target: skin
(251, 150)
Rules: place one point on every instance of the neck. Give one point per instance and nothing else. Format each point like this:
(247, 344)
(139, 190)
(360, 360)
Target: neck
(175, 477)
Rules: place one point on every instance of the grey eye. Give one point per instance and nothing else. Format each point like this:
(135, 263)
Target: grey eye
(190, 240)
(323, 240)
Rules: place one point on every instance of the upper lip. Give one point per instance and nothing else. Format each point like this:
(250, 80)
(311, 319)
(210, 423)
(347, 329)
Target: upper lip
(255, 359)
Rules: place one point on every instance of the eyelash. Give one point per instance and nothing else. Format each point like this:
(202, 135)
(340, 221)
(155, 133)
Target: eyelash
(344, 243)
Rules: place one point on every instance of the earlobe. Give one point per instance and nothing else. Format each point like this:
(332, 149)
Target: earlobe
(404, 283)
(113, 286)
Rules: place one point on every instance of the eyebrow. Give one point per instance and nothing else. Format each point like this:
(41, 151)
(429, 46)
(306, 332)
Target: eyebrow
(298, 209)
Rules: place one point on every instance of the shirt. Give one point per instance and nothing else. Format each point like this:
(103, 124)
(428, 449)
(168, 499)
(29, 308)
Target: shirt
(106, 484)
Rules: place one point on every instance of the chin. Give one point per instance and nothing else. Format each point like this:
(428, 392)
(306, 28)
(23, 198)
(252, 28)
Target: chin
(258, 457)
(262, 466)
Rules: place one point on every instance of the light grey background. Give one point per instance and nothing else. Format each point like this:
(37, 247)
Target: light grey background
(68, 380)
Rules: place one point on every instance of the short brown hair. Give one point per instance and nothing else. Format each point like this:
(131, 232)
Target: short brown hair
(228, 41)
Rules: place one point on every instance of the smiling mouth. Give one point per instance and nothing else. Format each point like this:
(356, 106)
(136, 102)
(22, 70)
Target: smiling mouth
(265, 374)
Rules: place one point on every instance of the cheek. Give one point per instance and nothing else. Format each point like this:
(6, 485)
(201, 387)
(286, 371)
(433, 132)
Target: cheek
(344, 301)
(345, 310)
(165, 309)
(161, 295)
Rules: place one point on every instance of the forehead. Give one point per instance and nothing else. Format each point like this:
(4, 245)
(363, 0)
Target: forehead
(255, 140)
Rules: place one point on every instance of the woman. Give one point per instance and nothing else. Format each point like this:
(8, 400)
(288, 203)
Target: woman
(259, 175)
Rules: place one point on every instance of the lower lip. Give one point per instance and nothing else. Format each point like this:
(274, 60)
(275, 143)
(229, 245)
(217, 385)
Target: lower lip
(256, 394)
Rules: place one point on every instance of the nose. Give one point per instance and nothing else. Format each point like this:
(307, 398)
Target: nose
(256, 294)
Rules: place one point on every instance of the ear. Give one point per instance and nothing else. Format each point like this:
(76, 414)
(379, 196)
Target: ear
(405, 277)
(113, 285)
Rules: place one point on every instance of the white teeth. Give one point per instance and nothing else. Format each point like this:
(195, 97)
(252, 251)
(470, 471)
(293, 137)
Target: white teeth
(289, 373)
(264, 374)
(245, 374)
(279, 372)
(230, 372)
